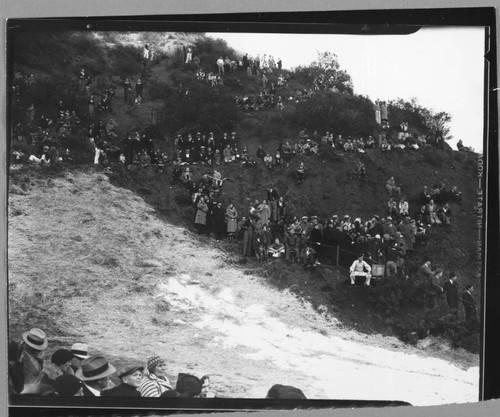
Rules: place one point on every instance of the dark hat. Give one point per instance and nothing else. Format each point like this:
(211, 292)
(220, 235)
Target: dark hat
(129, 370)
(61, 356)
(279, 391)
(170, 393)
(36, 339)
(67, 385)
(188, 384)
(95, 367)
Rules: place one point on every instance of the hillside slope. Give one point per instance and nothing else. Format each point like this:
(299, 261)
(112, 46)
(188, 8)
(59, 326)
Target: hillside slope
(92, 262)
(331, 185)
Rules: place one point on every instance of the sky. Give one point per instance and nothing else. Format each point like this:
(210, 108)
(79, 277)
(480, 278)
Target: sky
(442, 67)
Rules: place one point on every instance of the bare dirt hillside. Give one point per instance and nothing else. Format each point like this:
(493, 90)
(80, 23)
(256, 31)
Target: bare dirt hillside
(92, 262)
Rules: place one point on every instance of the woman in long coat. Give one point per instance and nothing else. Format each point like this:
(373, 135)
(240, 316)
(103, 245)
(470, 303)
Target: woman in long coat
(201, 215)
(231, 215)
(264, 212)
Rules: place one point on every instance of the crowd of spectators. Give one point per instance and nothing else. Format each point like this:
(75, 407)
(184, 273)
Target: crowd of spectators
(210, 78)
(73, 372)
(267, 229)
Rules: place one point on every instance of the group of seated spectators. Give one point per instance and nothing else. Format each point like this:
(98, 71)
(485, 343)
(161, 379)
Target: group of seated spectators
(265, 100)
(45, 134)
(435, 204)
(139, 149)
(441, 194)
(210, 150)
(210, 78)
(324, 82)
(72, 372)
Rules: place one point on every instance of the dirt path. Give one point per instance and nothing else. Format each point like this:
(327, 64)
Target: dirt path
(108, 272)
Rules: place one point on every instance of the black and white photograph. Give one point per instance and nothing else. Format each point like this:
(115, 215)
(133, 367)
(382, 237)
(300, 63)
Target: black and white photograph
(206, 212)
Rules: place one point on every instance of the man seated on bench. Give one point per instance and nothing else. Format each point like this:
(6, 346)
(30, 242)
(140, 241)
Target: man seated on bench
(360, 268)
(276, 250)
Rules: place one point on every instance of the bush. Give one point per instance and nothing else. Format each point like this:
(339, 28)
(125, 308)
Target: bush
(159, 90)
(391, 295)
(124, 61)
(209, 50)
(81, 149)
(435, 157)
(205, 110)
(234, 83)
(340, 113)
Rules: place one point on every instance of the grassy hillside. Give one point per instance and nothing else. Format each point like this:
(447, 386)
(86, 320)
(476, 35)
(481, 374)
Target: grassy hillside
(331, 187)
(92, 262)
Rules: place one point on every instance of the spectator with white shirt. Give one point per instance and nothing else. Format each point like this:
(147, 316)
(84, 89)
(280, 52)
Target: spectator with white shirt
(360, 268)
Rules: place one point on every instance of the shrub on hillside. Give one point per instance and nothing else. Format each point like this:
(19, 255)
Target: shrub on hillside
(46, 93)
(209, 50)
(80, 148)
(426, 121)
(204, 110)
(325, 74)
(340, 113)
(459, 156)
(40, 50)
(159, 90)
(435, 157)
(392, 294)
(124, 61)
(234, 83)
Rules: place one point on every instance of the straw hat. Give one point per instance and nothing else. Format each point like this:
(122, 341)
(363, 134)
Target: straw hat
(80, 350)
(36, 339)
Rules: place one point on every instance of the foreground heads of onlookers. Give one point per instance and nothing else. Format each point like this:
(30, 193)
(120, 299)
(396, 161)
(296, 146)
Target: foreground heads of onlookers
(29, 374)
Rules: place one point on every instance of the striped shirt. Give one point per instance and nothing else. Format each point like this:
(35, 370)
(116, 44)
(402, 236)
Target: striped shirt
(152, 386)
